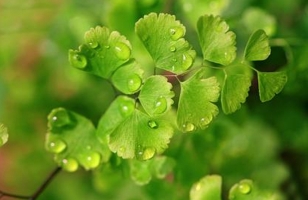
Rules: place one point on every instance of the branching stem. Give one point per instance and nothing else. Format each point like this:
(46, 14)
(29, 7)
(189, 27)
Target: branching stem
(39, 190)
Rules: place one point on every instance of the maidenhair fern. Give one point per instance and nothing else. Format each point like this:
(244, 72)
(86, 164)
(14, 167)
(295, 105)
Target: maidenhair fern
(140, 122)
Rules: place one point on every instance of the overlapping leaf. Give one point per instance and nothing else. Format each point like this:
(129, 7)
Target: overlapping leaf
(208, 188)
(234, 92)
(257, 47)
(217, 42)
(196, 108)
(143, 171)
(103, 52)
(246, 190)
(72, 139)
(140, 136)
(162, 35)
(155, 95)
(3, 134)
(121, 108)
(270, 84)
(128, 78)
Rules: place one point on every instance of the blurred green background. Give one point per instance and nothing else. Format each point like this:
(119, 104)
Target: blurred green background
(265, 142)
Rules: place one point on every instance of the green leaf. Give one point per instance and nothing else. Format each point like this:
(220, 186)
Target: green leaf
(217, 43)
(195, 104)
(102, 53)
(3, 134)
(128, 78)
(270, 84)
(72, 139)
(246, 190)
(208, 188)
(155, 95)
(234, 92)
(162, 35)
(257, 47)
(121, 108)
(140, 136)
(143, 171)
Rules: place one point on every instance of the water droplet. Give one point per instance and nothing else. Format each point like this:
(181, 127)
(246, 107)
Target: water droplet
(90, 160)
(174, 59)
(93, 44)
(127, 108)
(134, 83)
(204, 121)
(177, 32)
(107, 46)
(145, 153)
(69, 164)
(122, 51)
(244, 188)
(122, 149)
(160, 105)
(153, 124)
(59, 117)
(172, 49)
(187, 61)
(56, 146)
(77, 60)
(188, 127)
(228, 56)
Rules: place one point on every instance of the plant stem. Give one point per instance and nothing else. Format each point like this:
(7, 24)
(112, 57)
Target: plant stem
(45, 184)
(39, 190)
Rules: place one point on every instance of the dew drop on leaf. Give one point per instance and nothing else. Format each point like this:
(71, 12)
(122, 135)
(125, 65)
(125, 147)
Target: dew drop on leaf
(172, 49)
(70, 164)
(134, 83)
(160, 105)
(122, 150)
(145, 153)
(244, 188)
(122, 51)
(59, 118)
(176, 33)
(187, 61)
(90, 160)
(56, 146)
(93, 45)
(126, 108)
(153, 124)
(204, 121)
(78, 61)
(189, 127)
(107, 46)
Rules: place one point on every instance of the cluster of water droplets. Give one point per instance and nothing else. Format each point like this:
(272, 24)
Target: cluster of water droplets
(185, 60)
(203, 123)
(121, 50)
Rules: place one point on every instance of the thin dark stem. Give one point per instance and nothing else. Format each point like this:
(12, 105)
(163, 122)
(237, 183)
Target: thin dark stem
(39, 190)
(45, 184)
(5, 194)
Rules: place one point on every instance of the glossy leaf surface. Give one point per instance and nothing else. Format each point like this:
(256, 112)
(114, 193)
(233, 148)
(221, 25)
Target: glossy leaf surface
(217, 42)
(162, 35)
(71, 137)
(196, 108)
(156, 95)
